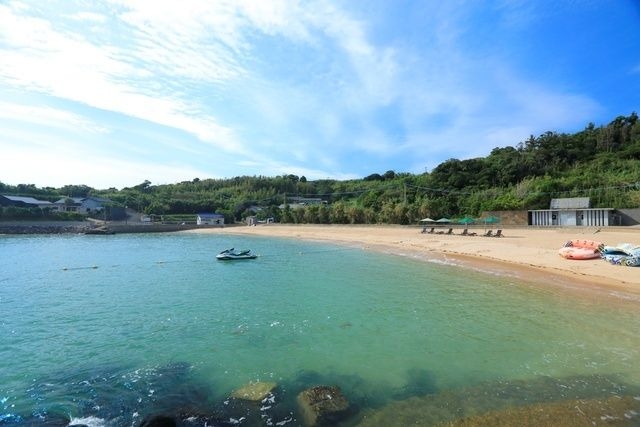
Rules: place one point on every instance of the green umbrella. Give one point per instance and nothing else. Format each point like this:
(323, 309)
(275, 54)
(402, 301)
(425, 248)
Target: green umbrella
(491, 220)
(444, 221)
(466, 220)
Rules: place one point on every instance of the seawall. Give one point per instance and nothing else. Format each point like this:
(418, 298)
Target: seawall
(79, 227)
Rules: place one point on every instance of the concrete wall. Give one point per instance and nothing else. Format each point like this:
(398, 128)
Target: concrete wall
(518, 218)
(156, 228)
(627, 216)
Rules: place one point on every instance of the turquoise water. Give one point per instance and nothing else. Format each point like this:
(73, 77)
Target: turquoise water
(110, 329)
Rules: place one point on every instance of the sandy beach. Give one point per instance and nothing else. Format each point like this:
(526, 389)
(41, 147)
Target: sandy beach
(526, 253)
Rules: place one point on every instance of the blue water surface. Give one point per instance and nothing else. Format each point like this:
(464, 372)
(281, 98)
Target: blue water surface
(110, 329)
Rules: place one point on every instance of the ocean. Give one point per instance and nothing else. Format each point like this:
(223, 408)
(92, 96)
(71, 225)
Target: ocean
(111, 330)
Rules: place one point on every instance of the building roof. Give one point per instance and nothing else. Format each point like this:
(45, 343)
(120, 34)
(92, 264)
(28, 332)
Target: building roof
(210, 215)
(27, 200)
(79, 200)
(305, 199)
(570, 203)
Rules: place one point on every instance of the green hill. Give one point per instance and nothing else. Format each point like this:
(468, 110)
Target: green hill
(602, 163)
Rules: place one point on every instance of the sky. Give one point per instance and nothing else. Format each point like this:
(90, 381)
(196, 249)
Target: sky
(110, 93)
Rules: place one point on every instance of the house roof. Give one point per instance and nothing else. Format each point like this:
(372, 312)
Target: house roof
(570, 203)
(210, 215)
(27, 200)
(79, 200)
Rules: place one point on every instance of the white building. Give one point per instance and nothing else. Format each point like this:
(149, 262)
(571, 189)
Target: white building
(209, 219)
(571, 212)
(82, 205)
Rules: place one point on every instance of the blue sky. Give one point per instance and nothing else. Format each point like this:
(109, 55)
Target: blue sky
(111, 93)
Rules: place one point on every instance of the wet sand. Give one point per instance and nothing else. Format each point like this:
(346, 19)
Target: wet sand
(527, 253)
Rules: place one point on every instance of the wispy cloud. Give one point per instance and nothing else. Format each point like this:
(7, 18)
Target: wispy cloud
(64, 64)
(321, 87)
(48, 116)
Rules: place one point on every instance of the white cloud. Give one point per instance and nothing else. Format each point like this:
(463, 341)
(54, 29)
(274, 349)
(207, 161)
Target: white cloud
(89, 17)
(275, 86)
(48, 116)
(37, 57)
(75, 167)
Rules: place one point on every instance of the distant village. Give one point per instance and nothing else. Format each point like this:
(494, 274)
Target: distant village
(561, 212)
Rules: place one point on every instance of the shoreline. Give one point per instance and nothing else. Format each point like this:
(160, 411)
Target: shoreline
(527, 254)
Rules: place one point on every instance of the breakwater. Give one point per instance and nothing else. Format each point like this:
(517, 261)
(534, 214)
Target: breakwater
(79, 227)
(44, 227)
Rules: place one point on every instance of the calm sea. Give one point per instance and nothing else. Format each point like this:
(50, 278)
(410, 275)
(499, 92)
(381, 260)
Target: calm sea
(106, 330)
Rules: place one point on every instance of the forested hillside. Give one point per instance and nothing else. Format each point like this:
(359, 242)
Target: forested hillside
(602, 163)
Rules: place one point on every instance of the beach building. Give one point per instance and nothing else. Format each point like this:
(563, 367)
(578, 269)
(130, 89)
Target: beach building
(301, 202)
(306, 200)
(210, 219)
(574, 211)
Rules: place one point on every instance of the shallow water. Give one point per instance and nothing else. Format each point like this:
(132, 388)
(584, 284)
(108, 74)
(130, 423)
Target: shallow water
(110, 329)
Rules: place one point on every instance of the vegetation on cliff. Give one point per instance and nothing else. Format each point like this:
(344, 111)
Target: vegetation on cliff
(602, 163)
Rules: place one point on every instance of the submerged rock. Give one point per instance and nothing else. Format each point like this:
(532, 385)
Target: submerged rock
(322, 405)
(614, 411)
(254, 392)
(604, 397)
(158, 421)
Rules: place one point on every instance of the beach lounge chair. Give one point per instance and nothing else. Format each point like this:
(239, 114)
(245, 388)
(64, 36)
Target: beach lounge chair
(489, 233)
(424, 230)
(466, 232)
(450, 231)
(498, 234)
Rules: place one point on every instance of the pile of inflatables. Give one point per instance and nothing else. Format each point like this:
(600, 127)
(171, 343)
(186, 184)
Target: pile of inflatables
(581, 249)
(623, 254)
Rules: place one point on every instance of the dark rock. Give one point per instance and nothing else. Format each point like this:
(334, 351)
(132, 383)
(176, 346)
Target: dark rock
(322, 405)
(158, 421)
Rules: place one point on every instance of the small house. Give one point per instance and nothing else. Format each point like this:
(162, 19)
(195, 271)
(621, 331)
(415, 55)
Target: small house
(82, 205)
(210, 219)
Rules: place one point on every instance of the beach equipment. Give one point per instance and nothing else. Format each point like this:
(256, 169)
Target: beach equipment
(627, 254)
(427, 221)
(443, 221)
(466, 220)
(490, 220)
(232, 254)
(449, 231)
(581, 249)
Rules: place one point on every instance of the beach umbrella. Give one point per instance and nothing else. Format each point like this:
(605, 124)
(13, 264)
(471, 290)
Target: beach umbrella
(490, 220)
(443, 221)
(466, 220)
(427, 220)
